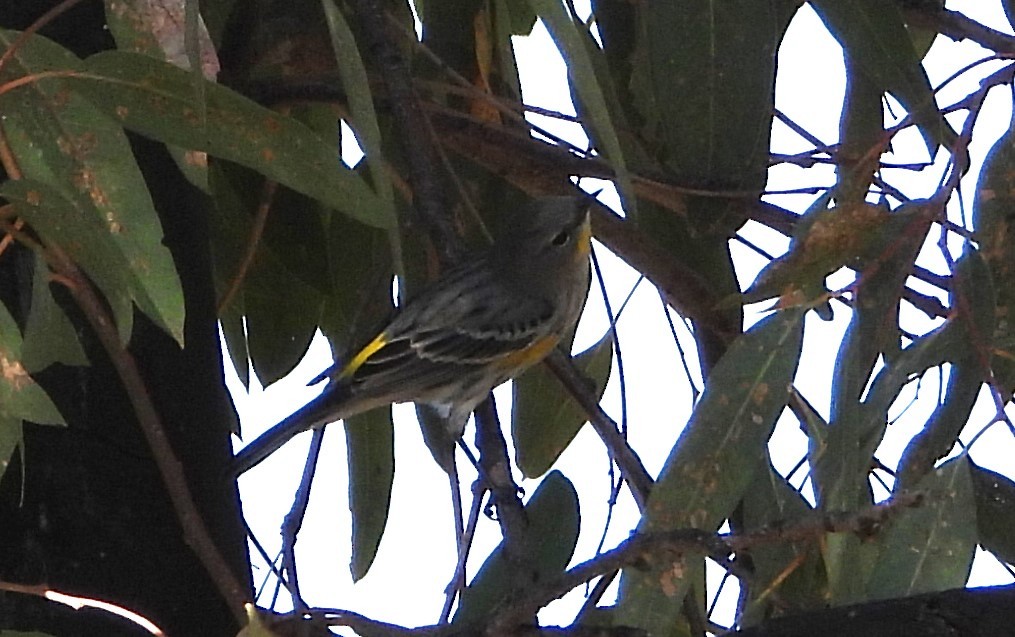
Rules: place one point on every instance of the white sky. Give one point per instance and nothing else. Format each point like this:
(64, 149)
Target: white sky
(417, 555)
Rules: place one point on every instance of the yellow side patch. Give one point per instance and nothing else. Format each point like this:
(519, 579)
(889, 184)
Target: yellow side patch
(364, 355)
(584, 240)
(530, 355)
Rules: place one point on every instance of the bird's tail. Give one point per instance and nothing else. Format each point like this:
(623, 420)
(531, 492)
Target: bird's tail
(324, 409)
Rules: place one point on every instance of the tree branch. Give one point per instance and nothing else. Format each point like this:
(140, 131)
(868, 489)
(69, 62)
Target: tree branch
(194, 530)
(411, 124)
(630, 464)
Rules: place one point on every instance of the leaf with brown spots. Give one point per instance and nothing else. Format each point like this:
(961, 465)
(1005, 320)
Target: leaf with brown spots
(157, 99)
(717, 456)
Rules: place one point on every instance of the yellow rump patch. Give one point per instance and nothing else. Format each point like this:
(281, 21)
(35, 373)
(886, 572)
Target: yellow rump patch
(364, 355)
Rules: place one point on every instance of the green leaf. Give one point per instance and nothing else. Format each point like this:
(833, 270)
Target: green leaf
(701, 104)
(83, 237)
(370, 441)
(841, 460)
(715, 459)
(160, 30)
(282, 307)
(787, 575)
(873, 33)
(544, 419)
(20, 397)
(994, 229)
(156, 99)
(972, 297)
(929, 547)
(49, 335)
(361, 102)
(581, 70)
(995, 511)
(282, 316)
(60, 139)
(551, 536)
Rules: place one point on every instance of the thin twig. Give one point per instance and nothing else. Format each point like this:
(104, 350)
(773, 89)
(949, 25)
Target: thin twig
(457, 582)
(77, 603)
(411, 125)
(660, 548)
(495, 470)
(293, 521)
(33, 28)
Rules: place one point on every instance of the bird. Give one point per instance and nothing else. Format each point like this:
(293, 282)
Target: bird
(483, 321)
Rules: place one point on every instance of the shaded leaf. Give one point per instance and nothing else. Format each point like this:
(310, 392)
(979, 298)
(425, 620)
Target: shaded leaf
(551, 536)
(994, 227)
(715, 459)
(825, 240)
(156, 99)
(60, 139)
(581, 71)
(49, 335)
(544, 418)
(873, 34)
(841, 460)
(282, 316)
(370, 442)
(20, 397)
(787, 576)
(995, 511)
(361, 103)
(930, 547)
(83, 237)
(972, 297)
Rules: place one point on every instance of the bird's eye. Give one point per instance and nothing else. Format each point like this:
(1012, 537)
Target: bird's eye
(561, 238)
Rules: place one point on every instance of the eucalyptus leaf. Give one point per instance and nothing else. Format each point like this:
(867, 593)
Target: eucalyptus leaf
(544, 418)
(715, 459)
(370, 442)
(156, 99)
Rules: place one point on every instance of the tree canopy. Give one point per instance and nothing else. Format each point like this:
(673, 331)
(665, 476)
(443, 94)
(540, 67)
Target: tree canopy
(175, 169)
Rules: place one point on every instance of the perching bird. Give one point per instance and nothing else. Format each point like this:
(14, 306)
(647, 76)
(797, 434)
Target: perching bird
(481, 323)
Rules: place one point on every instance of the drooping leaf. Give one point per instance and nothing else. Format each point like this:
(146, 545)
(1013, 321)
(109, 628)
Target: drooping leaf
(60, 139)
(841, 460)
(49, 335)
(156, 99)
(370, 442)
(544, 419)
(282, 316)
(994, 228)
(972, 297)
(873, 33)
(361, 103)
(572, 43)
(787, 575)
(20, 397)
(715, 459)
(83, 236)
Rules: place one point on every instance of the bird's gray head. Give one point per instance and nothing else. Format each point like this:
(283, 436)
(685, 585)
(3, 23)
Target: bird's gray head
(549, 239)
